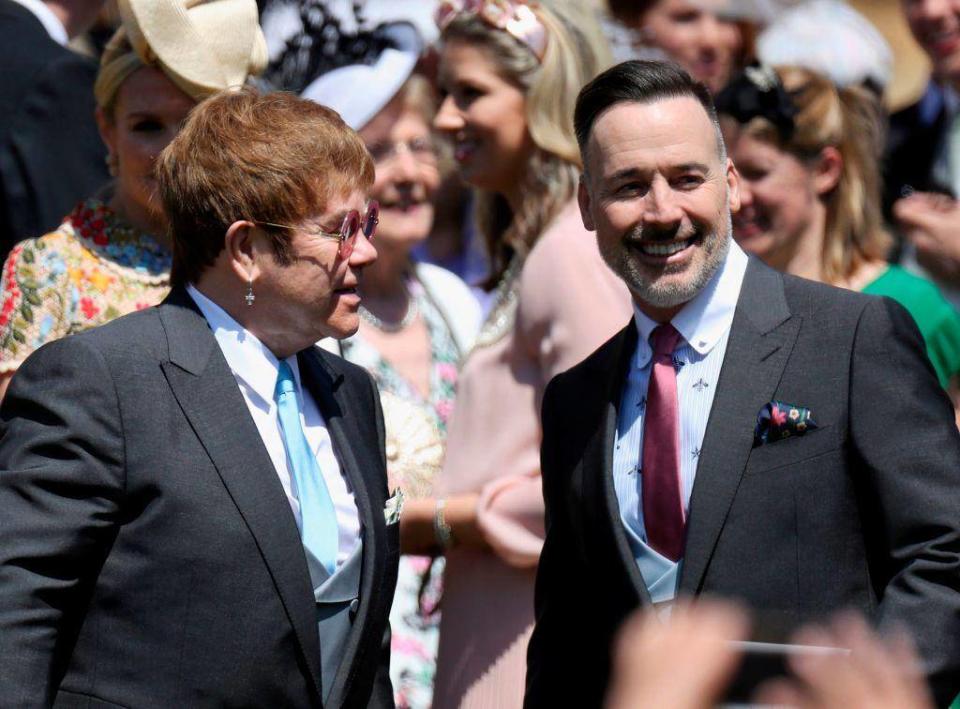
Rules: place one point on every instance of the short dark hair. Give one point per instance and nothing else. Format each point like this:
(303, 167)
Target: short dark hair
(637, 81)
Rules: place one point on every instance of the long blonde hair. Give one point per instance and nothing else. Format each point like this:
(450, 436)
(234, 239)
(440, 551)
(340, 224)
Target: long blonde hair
(575, 53)
(851, 120)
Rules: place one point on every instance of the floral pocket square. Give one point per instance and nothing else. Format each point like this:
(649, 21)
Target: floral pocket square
(393, 507)
(778, 420)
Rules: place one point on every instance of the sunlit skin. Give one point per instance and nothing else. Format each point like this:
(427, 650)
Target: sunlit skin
(299, 303)
(781, 218)
(485, 117)
(936, 26)
(147, 114)
(696, 37)
(399, 139)
(655, 180)
(406, 180)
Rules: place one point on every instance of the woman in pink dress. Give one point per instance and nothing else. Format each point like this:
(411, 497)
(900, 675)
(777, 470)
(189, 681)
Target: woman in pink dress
(510, 73)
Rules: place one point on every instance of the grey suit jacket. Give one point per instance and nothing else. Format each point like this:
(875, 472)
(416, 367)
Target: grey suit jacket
(863, 512)
(148, 554)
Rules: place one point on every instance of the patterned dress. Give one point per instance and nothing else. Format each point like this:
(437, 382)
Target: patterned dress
(415, 430)
(92, 269)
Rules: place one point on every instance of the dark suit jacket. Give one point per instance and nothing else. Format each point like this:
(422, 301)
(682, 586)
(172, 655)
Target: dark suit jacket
(914, 142)
(148, 554)
(863, 512)
(51, 155)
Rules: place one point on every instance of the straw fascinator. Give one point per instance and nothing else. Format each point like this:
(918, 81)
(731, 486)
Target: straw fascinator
(203, 47)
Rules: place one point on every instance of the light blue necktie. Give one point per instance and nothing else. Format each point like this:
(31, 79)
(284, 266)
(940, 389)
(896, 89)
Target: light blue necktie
(318, 527)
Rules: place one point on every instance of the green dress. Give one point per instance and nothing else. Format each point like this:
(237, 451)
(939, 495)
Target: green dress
(937, 320)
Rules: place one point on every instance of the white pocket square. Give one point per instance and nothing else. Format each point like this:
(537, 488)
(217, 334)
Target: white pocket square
(393, 507)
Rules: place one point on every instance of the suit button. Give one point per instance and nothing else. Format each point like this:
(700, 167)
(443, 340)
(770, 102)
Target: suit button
(354, 606)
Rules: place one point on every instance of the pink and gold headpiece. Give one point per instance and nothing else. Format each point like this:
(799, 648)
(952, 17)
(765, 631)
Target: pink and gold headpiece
(515, 17)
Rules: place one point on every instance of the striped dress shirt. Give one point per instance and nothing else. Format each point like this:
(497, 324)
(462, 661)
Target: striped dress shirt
(704, 325)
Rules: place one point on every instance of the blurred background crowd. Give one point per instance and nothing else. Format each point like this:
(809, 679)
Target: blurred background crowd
(843, 119)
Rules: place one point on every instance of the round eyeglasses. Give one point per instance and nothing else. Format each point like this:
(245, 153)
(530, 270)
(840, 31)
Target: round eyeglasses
(353, 224)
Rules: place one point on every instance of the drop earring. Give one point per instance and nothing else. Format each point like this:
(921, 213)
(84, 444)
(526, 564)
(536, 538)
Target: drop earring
(250, 297)
(111, 160)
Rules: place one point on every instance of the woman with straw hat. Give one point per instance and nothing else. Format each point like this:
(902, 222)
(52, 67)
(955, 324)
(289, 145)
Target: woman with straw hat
(111, 255)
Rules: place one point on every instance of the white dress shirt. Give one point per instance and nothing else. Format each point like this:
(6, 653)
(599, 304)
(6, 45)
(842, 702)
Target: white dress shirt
(704, 325)
(51, 23)
(255, 369)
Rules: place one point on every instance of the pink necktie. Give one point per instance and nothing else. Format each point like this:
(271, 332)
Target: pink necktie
(660, 466)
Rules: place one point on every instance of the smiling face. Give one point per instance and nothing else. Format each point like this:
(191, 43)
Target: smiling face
(400, 142)
(659, 196)
(314, 295)
(147, 114)
(777, 198)
(484, 115)
(936, 26)
(693, 34)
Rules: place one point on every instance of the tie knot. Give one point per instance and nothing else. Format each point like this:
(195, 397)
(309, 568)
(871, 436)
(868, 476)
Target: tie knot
(285, 384)
(664, 340)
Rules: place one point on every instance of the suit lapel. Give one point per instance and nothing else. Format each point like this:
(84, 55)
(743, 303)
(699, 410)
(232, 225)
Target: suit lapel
(761, 338)
(598, 457)
(355, 455)
(206, 390)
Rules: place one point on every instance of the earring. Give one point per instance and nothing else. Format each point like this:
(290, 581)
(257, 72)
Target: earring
(250, 297)
(112, 163)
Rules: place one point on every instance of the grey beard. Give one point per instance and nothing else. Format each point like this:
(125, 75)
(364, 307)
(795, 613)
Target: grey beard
(671, 294)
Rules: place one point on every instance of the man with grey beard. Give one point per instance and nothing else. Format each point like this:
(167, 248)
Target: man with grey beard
(750, 434)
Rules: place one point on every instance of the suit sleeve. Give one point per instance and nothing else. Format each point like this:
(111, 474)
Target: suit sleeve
(558, 600)
(902, 430)
(53, 156)
(61, 481)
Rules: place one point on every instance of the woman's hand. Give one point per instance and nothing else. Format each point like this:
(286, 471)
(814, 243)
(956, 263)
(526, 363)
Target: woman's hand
(417, 535)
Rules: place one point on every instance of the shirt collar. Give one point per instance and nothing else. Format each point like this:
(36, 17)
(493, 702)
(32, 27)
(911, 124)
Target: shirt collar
(51, 23)
(249, 359)
(704, 320)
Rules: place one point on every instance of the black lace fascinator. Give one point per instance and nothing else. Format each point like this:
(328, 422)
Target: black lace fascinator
(328, 52)
(307, 38)
(757, 92)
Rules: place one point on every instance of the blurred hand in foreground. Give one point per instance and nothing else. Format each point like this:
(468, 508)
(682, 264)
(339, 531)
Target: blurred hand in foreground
(878, 672)
(684, 662)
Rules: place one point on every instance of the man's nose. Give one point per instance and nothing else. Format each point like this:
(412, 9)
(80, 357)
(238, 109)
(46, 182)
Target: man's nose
(661, 206)
(364, 252)
(931, 10)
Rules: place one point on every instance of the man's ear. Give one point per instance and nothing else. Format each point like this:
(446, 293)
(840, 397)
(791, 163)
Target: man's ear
(827, 170)
(733, 187)
(240, 247)
(583, 199)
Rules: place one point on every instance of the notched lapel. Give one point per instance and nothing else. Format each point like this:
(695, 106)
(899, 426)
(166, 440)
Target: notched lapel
(761, 339)
(206, 390)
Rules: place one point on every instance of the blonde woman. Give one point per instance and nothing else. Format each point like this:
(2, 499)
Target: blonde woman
(510, 73)
(111, 255)
(808, 157)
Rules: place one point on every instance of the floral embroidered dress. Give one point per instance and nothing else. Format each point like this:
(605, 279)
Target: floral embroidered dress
(415, 431)
(92, 269)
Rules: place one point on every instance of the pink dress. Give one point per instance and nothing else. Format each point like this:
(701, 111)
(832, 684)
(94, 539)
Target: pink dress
(569, 303)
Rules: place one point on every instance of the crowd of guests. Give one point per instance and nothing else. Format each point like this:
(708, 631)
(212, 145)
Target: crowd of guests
(450, 145)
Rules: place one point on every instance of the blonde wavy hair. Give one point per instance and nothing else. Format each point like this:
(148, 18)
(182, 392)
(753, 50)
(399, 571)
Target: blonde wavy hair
(851, 120)
(575, 53)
